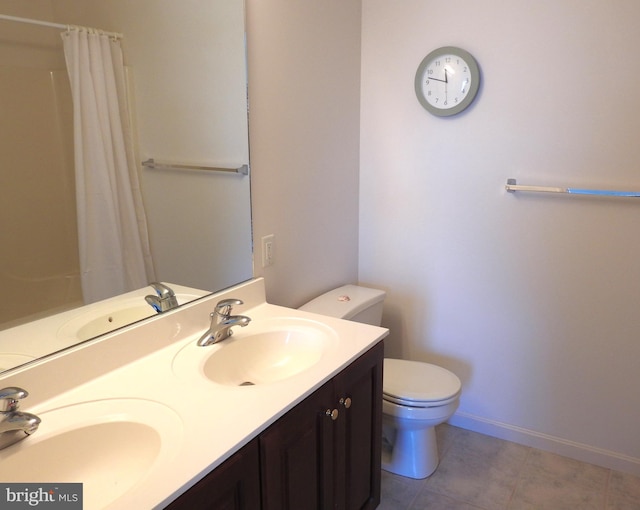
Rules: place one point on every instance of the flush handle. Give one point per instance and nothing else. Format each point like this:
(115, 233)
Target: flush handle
(333, 414)
(346, 402)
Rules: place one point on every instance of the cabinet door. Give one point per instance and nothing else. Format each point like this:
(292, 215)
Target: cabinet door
(234, 485)
(359, 432)
(296, 456)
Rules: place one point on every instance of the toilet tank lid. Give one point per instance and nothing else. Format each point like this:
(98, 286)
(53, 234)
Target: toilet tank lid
(344, 302)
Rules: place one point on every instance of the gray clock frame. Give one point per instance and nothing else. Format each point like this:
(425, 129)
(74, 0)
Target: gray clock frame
(474, 70)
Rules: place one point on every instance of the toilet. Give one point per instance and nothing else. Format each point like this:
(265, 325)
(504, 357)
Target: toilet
(416, 396)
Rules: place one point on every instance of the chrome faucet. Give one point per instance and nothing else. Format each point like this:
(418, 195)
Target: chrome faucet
(165, 299)
(222, 321)
(14, 425)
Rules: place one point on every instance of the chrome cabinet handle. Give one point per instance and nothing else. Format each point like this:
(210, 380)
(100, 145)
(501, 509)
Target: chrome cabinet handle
(333, 414)
(346, 402)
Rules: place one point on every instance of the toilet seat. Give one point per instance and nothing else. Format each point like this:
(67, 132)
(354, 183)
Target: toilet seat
(420, 403)
(418, 384)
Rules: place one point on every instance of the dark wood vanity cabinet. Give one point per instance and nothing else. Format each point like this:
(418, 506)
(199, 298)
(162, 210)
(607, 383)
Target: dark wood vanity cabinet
(359, 441)
(325, 453)
(234, 485)
(296, 455)
(322, 454)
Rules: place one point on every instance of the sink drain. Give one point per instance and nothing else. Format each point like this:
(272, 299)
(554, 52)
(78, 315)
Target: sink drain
(247, 383)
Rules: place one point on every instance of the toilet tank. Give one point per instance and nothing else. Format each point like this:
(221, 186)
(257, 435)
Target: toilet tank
(351, 302)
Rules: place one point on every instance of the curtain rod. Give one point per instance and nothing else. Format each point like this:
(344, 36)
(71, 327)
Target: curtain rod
(5, 17)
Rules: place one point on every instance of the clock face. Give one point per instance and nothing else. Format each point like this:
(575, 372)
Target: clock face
(447, 81)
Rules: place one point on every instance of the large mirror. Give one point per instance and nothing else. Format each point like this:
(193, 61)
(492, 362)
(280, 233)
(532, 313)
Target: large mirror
(187, 79)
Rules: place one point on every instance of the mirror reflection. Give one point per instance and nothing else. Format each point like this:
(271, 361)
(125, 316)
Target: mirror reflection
(185, 75)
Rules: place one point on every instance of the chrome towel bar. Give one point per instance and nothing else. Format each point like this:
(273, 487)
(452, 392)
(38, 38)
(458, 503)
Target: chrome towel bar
(151, 163)
(512, 187)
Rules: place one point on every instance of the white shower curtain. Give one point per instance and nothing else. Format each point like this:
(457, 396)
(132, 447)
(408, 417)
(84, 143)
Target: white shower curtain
(112, 232)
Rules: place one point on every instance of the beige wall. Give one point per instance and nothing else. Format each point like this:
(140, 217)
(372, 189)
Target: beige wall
(304, 87)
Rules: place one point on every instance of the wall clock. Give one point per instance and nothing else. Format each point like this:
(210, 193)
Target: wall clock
(447, 81)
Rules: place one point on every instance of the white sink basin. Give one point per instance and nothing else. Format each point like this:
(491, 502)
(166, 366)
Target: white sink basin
(108, 445)
(265, 351)
(105, 317)
(114, 320)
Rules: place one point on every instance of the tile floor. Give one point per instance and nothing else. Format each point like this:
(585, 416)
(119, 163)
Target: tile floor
(479, 472)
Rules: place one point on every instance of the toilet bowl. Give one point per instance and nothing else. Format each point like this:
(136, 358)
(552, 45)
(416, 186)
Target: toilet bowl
(416, 396)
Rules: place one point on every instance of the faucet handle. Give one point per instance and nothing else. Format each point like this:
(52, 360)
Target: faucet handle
(163, 291)
(224, 307)
(10, 398)
(166, 299)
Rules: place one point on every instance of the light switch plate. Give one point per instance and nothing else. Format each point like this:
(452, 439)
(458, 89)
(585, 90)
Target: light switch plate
(268, 250)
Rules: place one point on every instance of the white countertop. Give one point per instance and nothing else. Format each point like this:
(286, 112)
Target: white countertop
(210, 421)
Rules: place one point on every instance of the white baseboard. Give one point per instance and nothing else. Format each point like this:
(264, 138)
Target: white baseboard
(571, 449)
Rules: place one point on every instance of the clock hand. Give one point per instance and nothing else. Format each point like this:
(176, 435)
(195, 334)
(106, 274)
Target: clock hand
(446, 81)
(437, 79)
